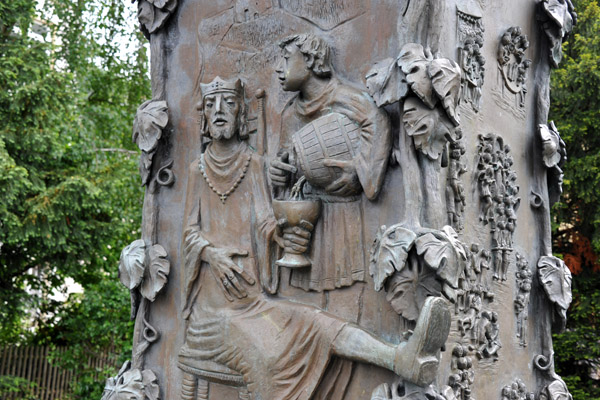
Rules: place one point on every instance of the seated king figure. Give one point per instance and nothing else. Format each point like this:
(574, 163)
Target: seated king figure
(236, 326)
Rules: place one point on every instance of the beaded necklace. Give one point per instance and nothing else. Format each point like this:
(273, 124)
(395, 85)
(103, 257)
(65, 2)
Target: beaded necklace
(223, 196)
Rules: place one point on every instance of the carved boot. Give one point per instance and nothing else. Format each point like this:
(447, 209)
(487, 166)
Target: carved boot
(417, 359)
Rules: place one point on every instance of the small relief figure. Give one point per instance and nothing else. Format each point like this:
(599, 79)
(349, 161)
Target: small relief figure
(336, 179)
(498, 193)
(472, 301)
(512, 65)
(455, 190)
(487, 180)
(472, 63)
(274, 349)
(462, 375)
(469, 322)
(473, 279)
(524, 278)
(488, 332)
(480, 259)
(516, 391)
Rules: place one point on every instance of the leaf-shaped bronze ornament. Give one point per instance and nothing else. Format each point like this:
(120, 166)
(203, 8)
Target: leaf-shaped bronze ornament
(410, 287)
(553, 148)
(389, 252)
(150, 120)
(445, 79)
(145, 166)
(131, 384)
(151, 388)
(153, 14)
(131, 264)
(558, 23)
(557, 390)
(414, 265)
(560, 12)
(414, 61)
(556, 281)
(444, 253)
(127, 385)
(428, 128)
(386, 82)
(157, 272)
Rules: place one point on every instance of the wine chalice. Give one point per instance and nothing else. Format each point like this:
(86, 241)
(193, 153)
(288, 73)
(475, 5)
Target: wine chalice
(296, 213)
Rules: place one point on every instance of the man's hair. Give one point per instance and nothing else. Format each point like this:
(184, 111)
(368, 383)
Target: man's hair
(315, 47)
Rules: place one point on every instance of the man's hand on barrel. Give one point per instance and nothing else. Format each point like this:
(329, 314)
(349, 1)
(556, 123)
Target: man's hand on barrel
(280, 171)
(347, 184)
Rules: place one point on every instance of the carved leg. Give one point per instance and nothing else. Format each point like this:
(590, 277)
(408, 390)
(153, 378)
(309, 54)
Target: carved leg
(416, 360)
(244, 394)
(188, 387)
(202, 390)
(505, 262)
(497, 262)
(524, 331)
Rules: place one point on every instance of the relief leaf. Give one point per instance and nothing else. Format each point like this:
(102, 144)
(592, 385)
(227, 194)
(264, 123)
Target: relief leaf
(131, 264)
(445, 79)
(130, 386)
(556, 280)
(389, 253)
(150, 119)
(386, 82)
(157, 273)
(414, 63)
(428, 128)
(553, 148)
(559, 11)
(145, 166)
(151, 388)
(153, 14)
(409, 288)
(443, 252)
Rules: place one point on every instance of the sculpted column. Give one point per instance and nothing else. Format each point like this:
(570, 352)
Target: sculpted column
(340, 202)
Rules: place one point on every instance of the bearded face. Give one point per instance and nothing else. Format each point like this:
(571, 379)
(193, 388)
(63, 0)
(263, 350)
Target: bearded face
(221, 112)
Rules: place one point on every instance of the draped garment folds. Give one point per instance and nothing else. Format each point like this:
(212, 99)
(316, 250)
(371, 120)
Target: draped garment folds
(342, 262)
(280, 348)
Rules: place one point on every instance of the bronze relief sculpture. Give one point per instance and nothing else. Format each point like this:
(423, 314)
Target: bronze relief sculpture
(310, 241)
(229, 262)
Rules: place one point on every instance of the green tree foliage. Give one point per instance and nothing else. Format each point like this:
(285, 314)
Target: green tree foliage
(70, 197)
(576, 110)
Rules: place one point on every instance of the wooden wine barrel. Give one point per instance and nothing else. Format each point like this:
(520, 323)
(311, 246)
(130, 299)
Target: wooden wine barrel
(331, 136)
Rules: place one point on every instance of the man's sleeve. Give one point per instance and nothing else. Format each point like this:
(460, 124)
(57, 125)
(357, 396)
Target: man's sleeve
(267, 251)
(193, 240)
(375, 141)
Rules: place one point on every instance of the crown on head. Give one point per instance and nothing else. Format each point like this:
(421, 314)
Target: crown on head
(219, 85)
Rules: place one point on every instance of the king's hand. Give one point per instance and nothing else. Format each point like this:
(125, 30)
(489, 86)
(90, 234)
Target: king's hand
(224, 269)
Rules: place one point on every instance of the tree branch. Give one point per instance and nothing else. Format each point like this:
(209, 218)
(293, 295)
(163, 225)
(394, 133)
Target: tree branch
(116, 150)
